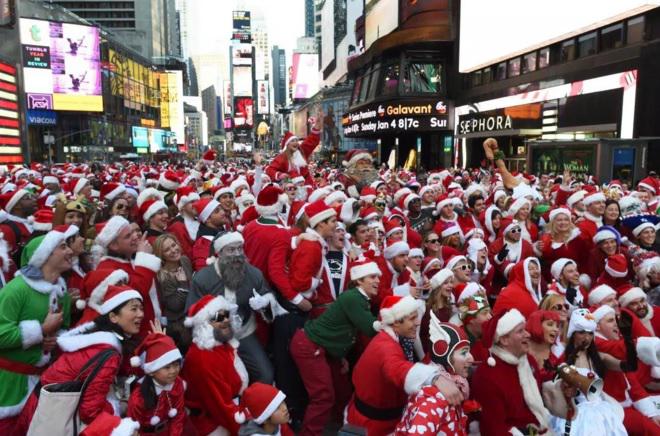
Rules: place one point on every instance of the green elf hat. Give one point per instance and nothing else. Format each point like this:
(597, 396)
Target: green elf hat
(39, 249)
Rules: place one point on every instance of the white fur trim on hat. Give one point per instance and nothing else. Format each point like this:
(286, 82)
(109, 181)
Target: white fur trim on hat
(153, 210)
(166, 183)
(454, 260)
(111, 230)
(321, 216)
(208, 210)
(507, 323)
(400, 310)
(181, 202)
(80, 184)
(271, 408)
(356, 157)
(46, 248)
(559, 211)
(164, 360)
(517, 205)
(335, 196)
(393, 250)
(119, 299)
(51, 179)
(575, 198)
(615, 273)
(640, 228)
(559, 265)
(226, 239)
(272, 209)
(147, 194)
(15, 199)
(648, 350)
(363, 270)
(451, 230)
(602, 312)
(599, 293)
(604, 235)
(291, 138)
(222, 191)
(120, 189)
(98, 293)
(126, 427)
(318, 194)
(631, 294)
(416, 252)
(440, 277)
(592, 198)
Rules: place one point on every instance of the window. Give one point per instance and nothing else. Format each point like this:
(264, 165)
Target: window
(611, 37)
(567, 51)
(476, 78)
(587, 44)
(365, 86)
(356, 90)
(544, 57)
(529, 62)
(486, 75)
(635, 30)
(500, 72)
(424, 78)
(391, 79)
(514, 67)
(375, 77)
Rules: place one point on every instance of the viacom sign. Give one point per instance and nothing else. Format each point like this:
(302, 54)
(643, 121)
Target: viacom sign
(416, 116)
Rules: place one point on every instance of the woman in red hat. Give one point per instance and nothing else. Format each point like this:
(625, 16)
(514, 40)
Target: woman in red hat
(544, 329)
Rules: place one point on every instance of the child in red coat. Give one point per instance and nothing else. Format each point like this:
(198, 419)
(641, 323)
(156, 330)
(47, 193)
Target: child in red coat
(157, 403)
(265, 410)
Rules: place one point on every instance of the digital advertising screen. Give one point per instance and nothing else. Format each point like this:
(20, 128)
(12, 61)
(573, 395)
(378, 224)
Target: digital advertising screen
(241, 30)
(241, 54)
(304, 75)
(61, 66)
(227, 89)
(262, 97)
(242, 82)
(243, 112)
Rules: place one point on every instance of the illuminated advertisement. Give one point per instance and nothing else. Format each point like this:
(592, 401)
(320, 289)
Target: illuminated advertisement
(175, 103)
(304, 75)
(243, 113)
(164, 98)
(134, 82)
(262, 97)
(140, 137)
(241, 31)
(242, 81)
(241, 54)
(227, 88)
(61, 66)
(10, 134)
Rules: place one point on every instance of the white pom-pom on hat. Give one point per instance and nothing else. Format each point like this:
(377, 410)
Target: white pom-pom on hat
(172, 412)
(239, 417)
(81, 304)
(188, 322)
(155, 420)
(377, 325)
(136, 362)
(491, 361)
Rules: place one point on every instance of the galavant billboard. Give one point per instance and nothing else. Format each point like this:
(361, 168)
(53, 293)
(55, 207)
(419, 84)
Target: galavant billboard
(400, 116)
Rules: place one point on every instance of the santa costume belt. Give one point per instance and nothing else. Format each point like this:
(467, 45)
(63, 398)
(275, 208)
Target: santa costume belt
(377, 413)
(20, 367)
(154, 428)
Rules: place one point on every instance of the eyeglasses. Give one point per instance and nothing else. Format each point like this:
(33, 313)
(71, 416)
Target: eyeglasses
(464, 267)
(121, 206)
(433, 241)
(291, 188)
(220, 316)
(560, 306)
(515, 230)
(232, 251)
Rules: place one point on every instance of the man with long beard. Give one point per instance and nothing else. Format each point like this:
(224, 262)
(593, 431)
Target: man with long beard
(232, 277)
(359, 172)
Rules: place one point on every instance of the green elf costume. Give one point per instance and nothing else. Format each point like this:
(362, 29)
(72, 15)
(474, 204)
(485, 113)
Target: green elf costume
(24, 304)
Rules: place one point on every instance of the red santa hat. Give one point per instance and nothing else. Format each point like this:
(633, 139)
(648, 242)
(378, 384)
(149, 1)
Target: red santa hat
(409, 198)
(150, 208)
(260, 401)
(149, 194)
(599, 293)
(156, 351)
(115, 296)
(446, 228)
(517, 205)
(270, 200)
(106, 424)
(107, 231)
(209, 157)
(48, 180)
(288, 137)
(110, 190)
(628, 293)
(395, 308)
(318, 212)
(11, 199)
(368, 213)
(554, 213)
(205, 309)
(499, 325)
(649, 184)
(453, 261)
(169, 180)
(78, 184)
(95, 285)
(395, 249)
(593, 198)
(364, 268)
(42, 220)
(440, 277)
(368, 194)
(558, 266)
(185, 195)
(354, 155)
(400, 193)
(508, 224)
(391, 226)
(602, 312)
(616, 265)
(463, 291)
(334, 197)
(224, 190)
(205, 208)
(575, 198)
(227, 238)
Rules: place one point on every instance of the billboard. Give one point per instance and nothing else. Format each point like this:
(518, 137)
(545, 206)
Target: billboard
(304, 75)
(262, 97)
(61, 66)
(228, 99)
(242, 82)
(171, 103)
(241, 54)
(241, 31)
(541, 23)
(10, 134)
(243, 112)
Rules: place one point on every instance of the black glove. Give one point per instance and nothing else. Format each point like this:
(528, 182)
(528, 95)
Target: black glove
(630, 364)
(504, 252)
(571, 293)
(625, 324)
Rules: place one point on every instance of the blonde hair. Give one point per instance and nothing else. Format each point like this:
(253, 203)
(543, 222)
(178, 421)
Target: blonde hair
(159, 242)
(548, 302)
(555, 235)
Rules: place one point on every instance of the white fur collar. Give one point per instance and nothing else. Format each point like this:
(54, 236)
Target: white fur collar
(203, 337)
(79, 338)
(598, 221)
(44, 287)
(114, 258)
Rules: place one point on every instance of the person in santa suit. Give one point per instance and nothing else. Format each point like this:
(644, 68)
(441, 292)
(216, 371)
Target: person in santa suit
(33, 307)
(482, 270)
(324, 342)
(157, 402)
(335, 276)
(614, 337)
(521, 211)
(122, 248)
(475, 205)
(225, 196)
(308, 259)
(110, 425)
(212, 219)
(358, 172)
(649, 189)
(566, 282)
(507, 250)
(154, 216)
(417, 279)
(607, 242)
(214, 373)
(93, 290)
(184, 227)
(264, 412)
(76, 276)
(544, 329)
(592, 219)
(506, 387)
(292, 160)
(616, 272)
(19, 205)
(395, 279)
(491, 220)
(428, 412)
(120, 319)
(385, 375)
(524, 289)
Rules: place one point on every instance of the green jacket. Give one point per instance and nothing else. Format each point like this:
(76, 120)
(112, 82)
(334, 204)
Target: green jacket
(336, 329)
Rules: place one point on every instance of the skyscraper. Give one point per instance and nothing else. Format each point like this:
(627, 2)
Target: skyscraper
(309, 17)
(279, 76)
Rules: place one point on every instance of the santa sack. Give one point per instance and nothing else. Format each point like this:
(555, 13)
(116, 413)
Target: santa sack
(57, 409)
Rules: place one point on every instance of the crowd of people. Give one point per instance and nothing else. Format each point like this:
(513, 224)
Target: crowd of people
(221, 298)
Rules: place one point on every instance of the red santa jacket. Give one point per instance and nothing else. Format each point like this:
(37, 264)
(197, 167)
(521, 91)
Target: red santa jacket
(306, 266)
(280, 168)
(215, 378)
(383, 378)
(326, 293)
(13, 241)
(167, 400)
(391, 282)
(576, 248)
(268, 248)
(185, 233)
(516, 294)
(589, 225)
(141, 277)
(201, 252)
(517, 252)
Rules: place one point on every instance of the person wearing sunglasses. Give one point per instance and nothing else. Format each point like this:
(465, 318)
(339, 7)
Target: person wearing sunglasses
(461, 267)
(508, 249)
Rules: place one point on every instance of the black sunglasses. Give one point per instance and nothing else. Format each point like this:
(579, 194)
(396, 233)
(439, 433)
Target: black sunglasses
(220, 316)
(433, 241)
(516, 230)
(560, 306)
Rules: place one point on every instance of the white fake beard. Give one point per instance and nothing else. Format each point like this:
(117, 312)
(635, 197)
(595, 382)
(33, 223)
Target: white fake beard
(298, 160)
